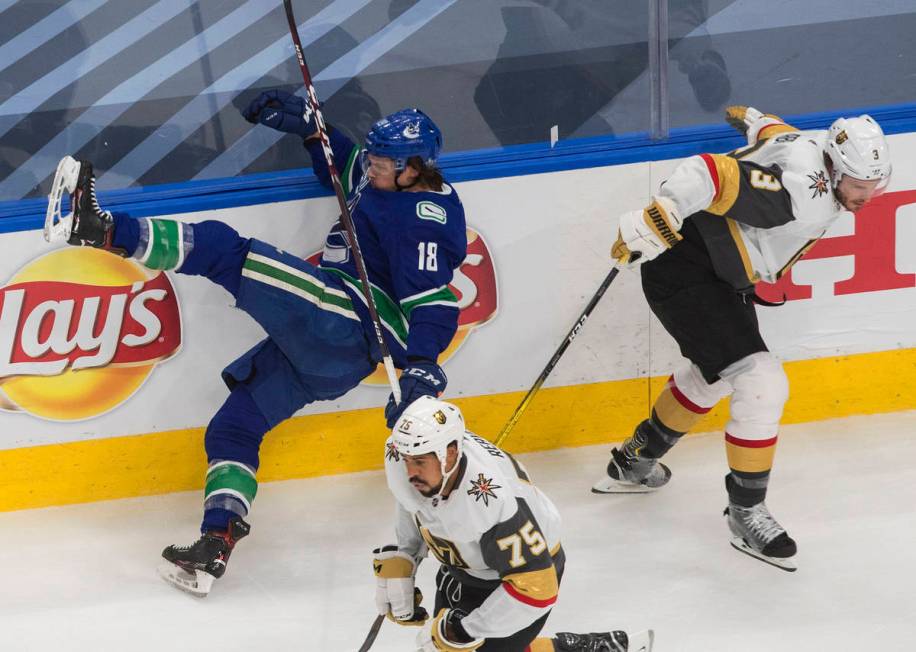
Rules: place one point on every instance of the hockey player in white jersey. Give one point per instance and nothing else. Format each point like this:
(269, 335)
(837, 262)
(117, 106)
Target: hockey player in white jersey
(719, 225)
(496, 536)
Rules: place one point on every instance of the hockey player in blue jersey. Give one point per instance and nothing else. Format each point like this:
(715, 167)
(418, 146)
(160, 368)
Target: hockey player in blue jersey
(320, 340)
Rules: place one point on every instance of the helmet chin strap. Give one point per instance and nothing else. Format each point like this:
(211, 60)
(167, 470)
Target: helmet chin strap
(447, 475)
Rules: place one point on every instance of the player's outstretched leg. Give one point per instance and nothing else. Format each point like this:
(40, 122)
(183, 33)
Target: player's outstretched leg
(630, 470)
(758, 534)
(193, 568)
(615, 641)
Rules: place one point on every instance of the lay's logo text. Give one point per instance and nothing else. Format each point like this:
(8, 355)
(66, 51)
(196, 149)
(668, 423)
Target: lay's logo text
(80, 331)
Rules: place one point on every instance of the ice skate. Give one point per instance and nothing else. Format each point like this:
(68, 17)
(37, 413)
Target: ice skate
(86, 224)
(193, 568)
(629, 472)
(758, 534)
(616, 641)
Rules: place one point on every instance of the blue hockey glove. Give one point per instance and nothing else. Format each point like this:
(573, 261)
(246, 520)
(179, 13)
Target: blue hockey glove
(421, 378)
(281, 111)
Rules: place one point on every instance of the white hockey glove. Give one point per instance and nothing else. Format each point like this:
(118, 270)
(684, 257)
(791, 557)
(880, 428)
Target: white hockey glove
(444, 633)
(644, 234)
(395, 594)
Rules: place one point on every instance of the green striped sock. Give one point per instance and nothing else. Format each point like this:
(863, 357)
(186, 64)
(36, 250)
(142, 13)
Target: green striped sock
(234, 479)
(164, 243)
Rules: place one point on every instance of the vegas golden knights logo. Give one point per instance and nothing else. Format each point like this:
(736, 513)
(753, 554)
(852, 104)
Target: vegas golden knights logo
(444, 550)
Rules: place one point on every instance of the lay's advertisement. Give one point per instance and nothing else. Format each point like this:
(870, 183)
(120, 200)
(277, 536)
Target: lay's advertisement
(82, 330)
(110, 372)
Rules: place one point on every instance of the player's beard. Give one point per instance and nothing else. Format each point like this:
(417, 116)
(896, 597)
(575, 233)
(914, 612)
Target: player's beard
(428, 493)
(841, 197)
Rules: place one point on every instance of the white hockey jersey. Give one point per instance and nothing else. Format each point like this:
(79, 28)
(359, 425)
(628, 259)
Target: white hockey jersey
(759, 208)
(494, 529)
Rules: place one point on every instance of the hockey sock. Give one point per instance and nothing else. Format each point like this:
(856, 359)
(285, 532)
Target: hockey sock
(163, 244)
(232, 441)
(541, 645)
(230, 490)
(673, 415)
(126, 233)
(659, 439)
(750, 461)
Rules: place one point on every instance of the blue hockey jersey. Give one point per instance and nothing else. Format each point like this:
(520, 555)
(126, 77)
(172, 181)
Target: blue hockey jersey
(412, 242)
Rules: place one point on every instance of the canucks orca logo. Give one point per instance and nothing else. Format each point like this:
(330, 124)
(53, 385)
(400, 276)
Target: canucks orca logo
(427, 210)
(412, 130)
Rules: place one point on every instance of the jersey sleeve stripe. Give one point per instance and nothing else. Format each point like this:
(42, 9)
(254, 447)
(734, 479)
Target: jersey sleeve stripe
(536, 588)
(774, 129)
(726, 176)
(348, 181)
(713, 173)
(437, 296)
(531, 602)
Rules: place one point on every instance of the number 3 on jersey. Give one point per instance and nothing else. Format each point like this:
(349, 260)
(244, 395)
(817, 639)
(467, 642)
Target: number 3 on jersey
(513, 542)
(763, 181)
(428, 260)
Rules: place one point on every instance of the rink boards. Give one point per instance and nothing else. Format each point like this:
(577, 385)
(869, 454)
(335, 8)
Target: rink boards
(109, 374)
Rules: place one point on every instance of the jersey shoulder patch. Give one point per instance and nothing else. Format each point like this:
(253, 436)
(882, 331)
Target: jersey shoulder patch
(429, 210)
(484, 488)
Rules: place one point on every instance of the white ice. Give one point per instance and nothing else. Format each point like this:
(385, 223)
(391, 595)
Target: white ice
(82, 577)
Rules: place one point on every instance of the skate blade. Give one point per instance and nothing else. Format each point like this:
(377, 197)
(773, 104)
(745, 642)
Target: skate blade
(608, 485)
(785, 563)
(58, 226)
(197, 583)
(641, 641)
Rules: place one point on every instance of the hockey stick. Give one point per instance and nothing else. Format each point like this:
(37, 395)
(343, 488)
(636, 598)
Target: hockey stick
(573, 333)
(345, 216)
(373, 632)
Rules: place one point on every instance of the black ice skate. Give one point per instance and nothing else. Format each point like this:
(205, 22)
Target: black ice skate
(86, 224)
(630, 472)
(758, 534)
(193, 568)
(616, 641)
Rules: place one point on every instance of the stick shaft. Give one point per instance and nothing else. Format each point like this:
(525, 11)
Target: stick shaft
(373, 633)
(573, 333)
(345, 216)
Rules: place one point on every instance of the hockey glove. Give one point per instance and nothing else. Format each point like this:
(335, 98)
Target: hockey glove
(444, 633)
(644, 234)
(420, 378)
(395, 594)
(282, 111)
(743, 118)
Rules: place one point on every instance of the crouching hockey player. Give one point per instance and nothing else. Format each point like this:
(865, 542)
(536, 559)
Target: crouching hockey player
(496, 536)
(320, 339)
(719, 225)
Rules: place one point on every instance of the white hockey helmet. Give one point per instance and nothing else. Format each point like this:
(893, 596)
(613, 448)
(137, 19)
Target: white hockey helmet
(857, 148)
(429, 425)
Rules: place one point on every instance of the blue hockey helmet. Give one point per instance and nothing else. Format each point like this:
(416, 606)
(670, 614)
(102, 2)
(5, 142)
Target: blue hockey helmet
(404, 134)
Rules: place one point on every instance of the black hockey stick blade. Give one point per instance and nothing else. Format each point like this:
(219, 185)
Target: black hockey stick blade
(373, 632)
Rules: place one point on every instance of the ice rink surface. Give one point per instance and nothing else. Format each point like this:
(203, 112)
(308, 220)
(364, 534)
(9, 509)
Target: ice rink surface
(83, 577)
